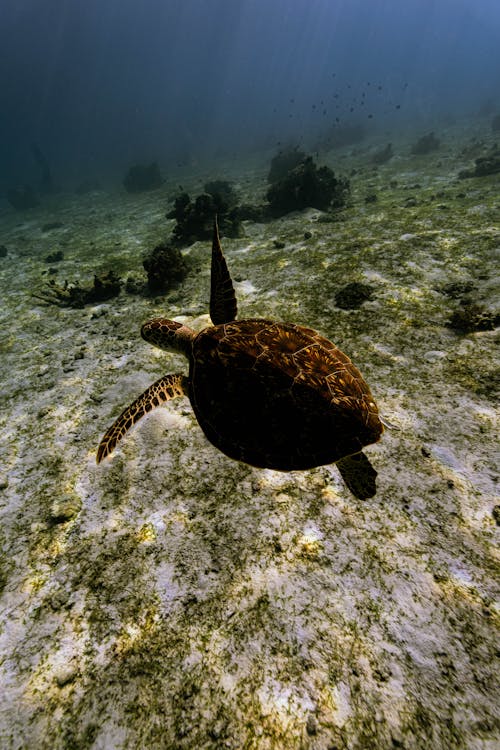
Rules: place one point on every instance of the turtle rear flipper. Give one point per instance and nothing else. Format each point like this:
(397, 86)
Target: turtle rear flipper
(223, 307)
(164, 389)
(359, 475)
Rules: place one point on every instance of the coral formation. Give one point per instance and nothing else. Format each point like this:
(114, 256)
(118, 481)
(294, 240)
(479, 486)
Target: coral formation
(195, 218)
(425, 145)
(134, 285)
(165, 268)
(223, 192)
(307, 186)
(283, 163)
(181, 202)
(22, 198)
(105, 286)
(140, 178)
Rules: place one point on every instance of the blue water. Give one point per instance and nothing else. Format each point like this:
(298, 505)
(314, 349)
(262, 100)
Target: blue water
(101, 84)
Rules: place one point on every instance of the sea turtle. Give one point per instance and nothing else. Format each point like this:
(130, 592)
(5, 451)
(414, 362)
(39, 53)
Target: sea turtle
(274, 395)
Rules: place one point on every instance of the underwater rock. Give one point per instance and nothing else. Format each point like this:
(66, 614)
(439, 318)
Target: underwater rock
(383, 155)
(352, 295)
(55, 257)
(284, 162)
(195, 219)
(106, 286)
(410, 202)
(307, 186)
(65, 508)
(495, 124)
(485, 165)
(456, 289)
(471, 317)
(425, 145)
(140, 178)
(65, 674)
(165, 267)
(22, 198)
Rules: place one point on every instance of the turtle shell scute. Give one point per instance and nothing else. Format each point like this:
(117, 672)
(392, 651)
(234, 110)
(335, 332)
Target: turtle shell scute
(279, 395)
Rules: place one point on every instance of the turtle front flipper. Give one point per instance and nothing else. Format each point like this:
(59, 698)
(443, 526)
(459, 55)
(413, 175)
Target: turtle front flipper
(359, 475)
(164, 389)
(223, 307)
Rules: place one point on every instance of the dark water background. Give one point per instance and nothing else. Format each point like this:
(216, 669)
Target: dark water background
(101, 84)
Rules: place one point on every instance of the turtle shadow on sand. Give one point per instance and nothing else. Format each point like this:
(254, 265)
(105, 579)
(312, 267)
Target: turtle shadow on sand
(272, 395)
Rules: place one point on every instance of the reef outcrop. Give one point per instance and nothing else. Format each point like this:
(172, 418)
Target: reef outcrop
(307, 186)
(284, 162)
(195, 217)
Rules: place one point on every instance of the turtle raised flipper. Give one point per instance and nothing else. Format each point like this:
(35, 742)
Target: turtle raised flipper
(359, 475)
(223, 307)
(164, 389)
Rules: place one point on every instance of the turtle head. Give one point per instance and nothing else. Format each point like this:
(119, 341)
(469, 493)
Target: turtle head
(168, 335)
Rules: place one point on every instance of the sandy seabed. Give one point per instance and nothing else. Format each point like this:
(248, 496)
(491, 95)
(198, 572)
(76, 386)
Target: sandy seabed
(173, 598)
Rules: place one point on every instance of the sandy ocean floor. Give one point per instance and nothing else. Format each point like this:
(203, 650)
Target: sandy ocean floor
(173, 598)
